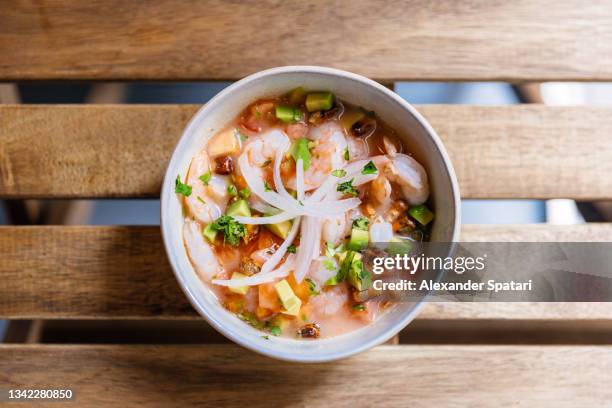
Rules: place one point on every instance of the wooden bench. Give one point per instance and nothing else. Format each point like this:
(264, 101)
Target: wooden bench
(121, 273)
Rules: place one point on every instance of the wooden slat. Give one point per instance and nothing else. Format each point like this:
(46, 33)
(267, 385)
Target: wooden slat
(388, 376)
(122, 272)
(214, 39)
(122, 151)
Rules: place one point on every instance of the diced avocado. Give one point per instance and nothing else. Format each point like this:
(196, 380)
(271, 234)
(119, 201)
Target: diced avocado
(238, 207)
(210, 233)
(398, 246)
(422, 214)
(241, 290)
(280, 229)
(349, 118)
(285, 113)
(359, 239)
(300, 150)
(319, 101)
(358, 276)
(288, 299)
(297, 96)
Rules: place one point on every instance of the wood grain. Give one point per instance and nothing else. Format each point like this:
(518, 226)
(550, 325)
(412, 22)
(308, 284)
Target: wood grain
(395, 40)
(388, 376)
(122, 151)
(122, 273)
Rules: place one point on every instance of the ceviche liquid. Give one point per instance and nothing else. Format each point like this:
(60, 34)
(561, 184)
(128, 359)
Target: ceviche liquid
(280, 204)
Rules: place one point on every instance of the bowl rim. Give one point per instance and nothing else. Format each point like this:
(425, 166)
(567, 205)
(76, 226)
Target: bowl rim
(168, 183)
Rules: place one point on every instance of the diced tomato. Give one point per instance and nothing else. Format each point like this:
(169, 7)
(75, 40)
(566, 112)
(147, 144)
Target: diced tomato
(296, 130)
(259, 116)
(268, 298)
(301, 290)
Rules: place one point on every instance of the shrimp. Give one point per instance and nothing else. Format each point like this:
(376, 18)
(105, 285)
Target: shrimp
(404, 171)
(320, 273)
(327, 154)
(206, 203)
(329, 302)
(335, 228)
(199, 251)
(263, 148)
(358, 148)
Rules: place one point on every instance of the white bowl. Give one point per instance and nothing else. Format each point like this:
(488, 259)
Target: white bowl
(418, 135)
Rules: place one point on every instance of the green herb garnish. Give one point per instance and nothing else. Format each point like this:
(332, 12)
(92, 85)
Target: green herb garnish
(291, 249)
(180, 188)
(275, 331)
(329, 264)
(201, 200)
(361, 223)
(348, 188)
(245, 193)
(267, 186)
(205, 177)
(242, 136)
(346, 154)
(312, 287)
(232, 229)
(265, 337)
(339, 173)
(369, 168)
(231, 190)
(359, 308)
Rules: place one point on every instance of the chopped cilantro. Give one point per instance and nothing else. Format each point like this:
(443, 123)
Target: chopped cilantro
(232, 229)
(312, 287)
(330, 251)
(291, 249)
(275, 331)
(231, 190)
(329, 264)
(180, 188)
(242, 136)
(346, 154)
(339, 173)
(267, 186)
(206, 177)
(369, 168)
(348, 188)
(245, 193)
(359, 308)
(361, 223)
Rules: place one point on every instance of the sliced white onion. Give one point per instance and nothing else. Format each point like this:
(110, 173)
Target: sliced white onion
(299, 179)
(273, 198)
(306, 249)
(278, 181)
(353, 170)
(273, 219)
(260, 278)
(262, 207)
(316, 250)
(280, 252)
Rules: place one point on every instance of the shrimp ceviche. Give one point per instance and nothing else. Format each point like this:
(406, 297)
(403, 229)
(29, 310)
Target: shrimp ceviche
(280, 204)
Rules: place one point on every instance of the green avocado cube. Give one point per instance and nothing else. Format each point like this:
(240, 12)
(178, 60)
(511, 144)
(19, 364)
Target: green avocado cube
(239, 207)
(359, 239)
